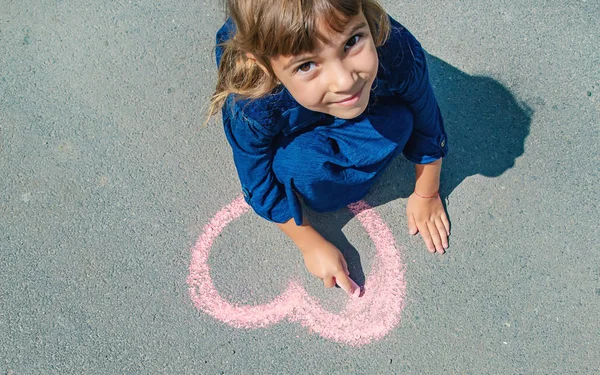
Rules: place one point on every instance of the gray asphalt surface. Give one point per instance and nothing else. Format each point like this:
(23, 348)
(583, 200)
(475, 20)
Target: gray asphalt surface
(108, 178)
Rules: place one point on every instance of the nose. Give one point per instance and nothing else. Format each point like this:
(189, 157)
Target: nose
(342, 77)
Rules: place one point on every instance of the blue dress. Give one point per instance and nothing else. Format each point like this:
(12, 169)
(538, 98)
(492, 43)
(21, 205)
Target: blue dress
(283, 151)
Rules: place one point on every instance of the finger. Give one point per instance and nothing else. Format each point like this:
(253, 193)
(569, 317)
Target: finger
(442, 231)
(345, 265)
(345, 282)
(446, 224)
(435, 237)
(329, 282)
(412, 226)
(427, 237)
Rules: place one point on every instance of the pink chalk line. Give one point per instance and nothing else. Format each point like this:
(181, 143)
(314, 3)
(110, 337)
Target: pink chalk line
(362, 320)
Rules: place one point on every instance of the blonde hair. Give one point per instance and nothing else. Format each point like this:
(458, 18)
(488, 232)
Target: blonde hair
(268, 29)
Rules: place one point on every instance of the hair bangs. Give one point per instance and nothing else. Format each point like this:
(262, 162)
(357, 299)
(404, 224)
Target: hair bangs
(295, 27)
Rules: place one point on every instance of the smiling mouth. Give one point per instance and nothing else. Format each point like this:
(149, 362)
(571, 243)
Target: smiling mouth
(351, 100)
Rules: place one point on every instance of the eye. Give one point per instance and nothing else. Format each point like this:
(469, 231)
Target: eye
(305, 67)
(352, 41)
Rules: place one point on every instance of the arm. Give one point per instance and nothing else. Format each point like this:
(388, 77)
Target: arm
(425, 211)
(251, 145)
(427, 143)
(321, 258)
(253, 155)
(405, 72)
(428, 178)
(426, 147)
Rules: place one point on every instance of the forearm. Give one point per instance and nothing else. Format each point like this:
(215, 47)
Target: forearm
(304, 236)
(428, 178)
(321, 258)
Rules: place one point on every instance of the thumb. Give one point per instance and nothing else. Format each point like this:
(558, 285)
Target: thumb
(412, 226)
(346, 283)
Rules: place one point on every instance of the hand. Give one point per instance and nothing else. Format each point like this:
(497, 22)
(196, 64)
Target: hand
(326, 262)
(322, 259)
(428, 217)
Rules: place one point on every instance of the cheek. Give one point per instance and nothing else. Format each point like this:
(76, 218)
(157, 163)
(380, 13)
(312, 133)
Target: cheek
(306, 94)
(371, 61)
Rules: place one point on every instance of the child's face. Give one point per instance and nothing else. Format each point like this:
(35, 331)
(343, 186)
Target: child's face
(336, 77)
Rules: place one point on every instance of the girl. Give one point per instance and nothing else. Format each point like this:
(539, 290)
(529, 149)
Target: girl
(318, 97)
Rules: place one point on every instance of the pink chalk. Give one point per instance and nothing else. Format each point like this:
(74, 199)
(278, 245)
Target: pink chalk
(354, 287)
(358, 291)
(362, 321)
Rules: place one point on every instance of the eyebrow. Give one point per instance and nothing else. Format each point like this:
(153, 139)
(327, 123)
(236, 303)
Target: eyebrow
(302, 59)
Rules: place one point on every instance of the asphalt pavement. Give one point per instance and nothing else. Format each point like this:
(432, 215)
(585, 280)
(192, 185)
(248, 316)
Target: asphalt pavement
(124, 248)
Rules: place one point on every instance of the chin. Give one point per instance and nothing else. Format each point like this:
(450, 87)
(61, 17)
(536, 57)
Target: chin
(350, 113)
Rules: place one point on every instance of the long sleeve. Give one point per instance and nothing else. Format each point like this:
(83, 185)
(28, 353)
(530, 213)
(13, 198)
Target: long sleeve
(428, 140)
(252, 149)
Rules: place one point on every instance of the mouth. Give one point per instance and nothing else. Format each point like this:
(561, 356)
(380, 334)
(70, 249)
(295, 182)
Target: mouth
(351, 100)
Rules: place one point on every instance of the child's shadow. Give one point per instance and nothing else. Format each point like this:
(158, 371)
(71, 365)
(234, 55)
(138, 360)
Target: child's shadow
(486, 130)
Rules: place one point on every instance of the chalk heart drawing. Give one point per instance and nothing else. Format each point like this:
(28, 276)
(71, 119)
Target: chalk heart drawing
(360, 322)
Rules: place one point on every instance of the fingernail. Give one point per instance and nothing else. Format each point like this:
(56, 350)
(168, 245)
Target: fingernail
(355, 289)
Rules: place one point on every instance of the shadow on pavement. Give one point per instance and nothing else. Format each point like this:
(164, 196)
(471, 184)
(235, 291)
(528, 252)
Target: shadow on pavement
(486, 130)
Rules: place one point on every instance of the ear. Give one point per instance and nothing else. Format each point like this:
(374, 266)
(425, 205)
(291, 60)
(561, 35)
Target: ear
(251, 56)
